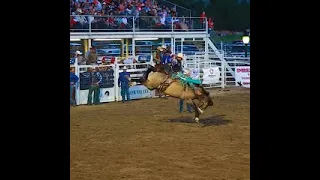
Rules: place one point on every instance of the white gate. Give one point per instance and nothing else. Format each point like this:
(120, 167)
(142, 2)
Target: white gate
(202, 63)
(227, 68)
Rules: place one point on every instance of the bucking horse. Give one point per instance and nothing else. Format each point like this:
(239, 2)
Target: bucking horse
(159, 77)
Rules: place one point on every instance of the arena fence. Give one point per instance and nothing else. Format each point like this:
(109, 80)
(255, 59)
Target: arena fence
(213, 72)
(109, 90)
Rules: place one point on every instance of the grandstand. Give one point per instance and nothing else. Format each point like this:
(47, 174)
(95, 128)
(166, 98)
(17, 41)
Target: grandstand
(126, 28)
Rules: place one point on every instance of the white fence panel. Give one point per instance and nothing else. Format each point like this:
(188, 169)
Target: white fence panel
(200, 61)
(136, 71)
(109, 83)
(112, 91)
(234, 62)
(227, 68)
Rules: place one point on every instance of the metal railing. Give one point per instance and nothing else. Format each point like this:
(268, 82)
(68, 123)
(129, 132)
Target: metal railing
(181, 11)
(234, 62)
(90, 24)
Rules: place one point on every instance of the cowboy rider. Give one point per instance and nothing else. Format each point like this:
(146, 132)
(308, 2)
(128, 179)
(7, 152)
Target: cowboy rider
(178, 68)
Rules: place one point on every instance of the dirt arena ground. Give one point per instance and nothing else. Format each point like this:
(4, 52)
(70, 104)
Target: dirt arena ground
(149, 140)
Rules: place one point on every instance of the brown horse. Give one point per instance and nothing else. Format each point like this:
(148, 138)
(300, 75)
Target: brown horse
(172, 87)
(163, 69)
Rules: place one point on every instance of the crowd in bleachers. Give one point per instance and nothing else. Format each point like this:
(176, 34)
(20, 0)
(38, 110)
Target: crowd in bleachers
(115, 15)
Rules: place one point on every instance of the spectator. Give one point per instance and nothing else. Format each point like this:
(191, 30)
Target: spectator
(92, 56)
(166, 58)
(124, 23)
(95, 79)
(210, 25)
(130, 8)
(156, 56)
(81, 60)
(202, 19)
(73, 80)
(123, 82)
(81, 21)
(77, 57)
(113, 59)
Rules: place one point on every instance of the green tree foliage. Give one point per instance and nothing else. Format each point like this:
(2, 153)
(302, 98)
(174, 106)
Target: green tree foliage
(227, 14)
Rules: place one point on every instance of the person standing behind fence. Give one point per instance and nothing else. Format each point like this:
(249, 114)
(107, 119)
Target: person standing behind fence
(76, 57)
(73, 80)
(95, 79)
(123, 82)
(210, 25)
(92, 56)
(156, 56)
(166, 60)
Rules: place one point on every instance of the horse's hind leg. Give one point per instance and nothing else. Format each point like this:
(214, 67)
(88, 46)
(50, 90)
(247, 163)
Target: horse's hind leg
(196, 111)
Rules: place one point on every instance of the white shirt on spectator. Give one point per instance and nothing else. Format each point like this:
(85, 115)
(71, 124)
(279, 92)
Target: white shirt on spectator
(80, 19)
(124, 20)
(163, 20)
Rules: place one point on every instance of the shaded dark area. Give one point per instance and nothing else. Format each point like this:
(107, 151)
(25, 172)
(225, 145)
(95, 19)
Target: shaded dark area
(107, 79)
(215, 120)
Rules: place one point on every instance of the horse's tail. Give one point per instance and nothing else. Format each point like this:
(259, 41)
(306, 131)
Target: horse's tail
(207, 93)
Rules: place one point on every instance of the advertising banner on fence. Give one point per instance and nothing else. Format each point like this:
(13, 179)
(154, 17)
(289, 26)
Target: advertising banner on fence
(242, 75)
(211, 75)
(137, 92)
(106, 95)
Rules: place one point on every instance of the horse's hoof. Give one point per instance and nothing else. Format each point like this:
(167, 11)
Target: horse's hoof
(197, 120)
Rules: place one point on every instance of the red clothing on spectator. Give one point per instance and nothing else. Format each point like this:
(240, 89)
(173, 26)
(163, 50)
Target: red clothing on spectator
(210, 23)
(104, 59)
(113, 59)
(110, 20)
(107, 2)
(72, 22)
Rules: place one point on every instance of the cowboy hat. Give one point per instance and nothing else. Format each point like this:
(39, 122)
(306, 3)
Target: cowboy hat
(124, 67)
(79, 10)
(180, 55)
(78, 52)
(164, 47)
